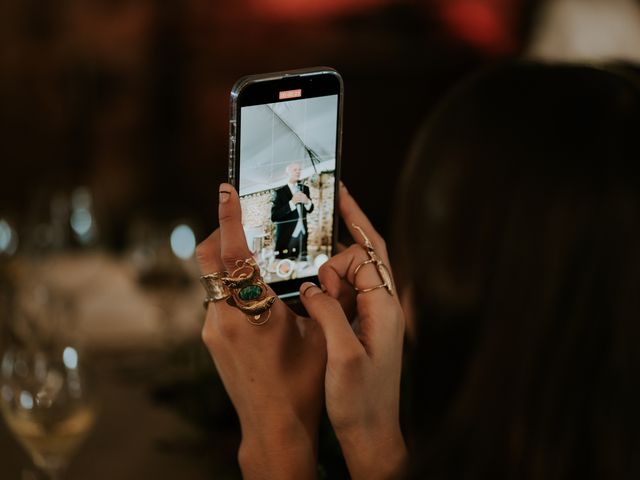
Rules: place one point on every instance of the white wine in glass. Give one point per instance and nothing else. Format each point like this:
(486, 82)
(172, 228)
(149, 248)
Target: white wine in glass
(46, 404)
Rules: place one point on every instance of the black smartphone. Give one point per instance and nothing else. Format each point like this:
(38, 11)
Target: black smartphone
(285, 132)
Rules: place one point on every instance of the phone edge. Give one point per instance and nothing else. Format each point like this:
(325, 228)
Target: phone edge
(236, 89)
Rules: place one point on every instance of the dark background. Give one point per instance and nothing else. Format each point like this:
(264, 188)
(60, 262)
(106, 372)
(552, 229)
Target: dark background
(130, 97)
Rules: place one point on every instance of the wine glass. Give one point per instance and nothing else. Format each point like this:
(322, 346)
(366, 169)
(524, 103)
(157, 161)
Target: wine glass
(161, 257)
(44, 396)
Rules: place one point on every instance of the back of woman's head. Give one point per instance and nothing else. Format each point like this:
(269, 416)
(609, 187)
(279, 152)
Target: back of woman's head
(520, 232)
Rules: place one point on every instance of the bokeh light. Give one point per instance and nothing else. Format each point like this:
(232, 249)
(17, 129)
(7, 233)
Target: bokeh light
(183, 242)
(8, 238)
(70, 358)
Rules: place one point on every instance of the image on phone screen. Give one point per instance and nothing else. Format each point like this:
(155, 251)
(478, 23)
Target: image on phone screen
(287, 183)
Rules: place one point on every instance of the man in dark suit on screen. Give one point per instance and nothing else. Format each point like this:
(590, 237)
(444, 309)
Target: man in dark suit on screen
(289, 209)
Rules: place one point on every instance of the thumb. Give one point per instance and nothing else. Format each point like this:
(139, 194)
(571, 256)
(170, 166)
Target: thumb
(326, 310)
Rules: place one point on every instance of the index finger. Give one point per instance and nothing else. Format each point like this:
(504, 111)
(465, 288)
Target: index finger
(208, 254)
(233, 243)
(353, 217)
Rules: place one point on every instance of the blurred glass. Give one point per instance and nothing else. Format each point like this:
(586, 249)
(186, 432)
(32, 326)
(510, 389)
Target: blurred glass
(82, 218)
(60, 221)
(162, 257)
(45, 397)
(8, 238)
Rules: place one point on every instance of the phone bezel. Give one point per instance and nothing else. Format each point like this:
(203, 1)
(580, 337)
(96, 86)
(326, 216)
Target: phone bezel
(264, 88)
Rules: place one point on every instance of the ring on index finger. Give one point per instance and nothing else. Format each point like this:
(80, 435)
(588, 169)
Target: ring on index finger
(248, 292)
(374, 259)
(243, 289)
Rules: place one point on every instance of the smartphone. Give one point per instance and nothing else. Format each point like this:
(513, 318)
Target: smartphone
(285, 133)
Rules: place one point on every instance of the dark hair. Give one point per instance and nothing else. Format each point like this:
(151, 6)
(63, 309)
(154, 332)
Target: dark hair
(519, 235)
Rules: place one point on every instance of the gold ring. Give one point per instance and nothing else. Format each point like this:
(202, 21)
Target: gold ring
(215, 287)
(248, 292)
(374, 259)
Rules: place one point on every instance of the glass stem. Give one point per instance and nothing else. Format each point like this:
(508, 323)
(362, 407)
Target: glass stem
(55, 476)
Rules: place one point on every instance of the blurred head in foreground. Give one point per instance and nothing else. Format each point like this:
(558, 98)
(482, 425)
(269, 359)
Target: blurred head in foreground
(520, 251)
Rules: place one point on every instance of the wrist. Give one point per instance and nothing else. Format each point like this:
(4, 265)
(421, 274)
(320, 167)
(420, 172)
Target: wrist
(282, 450)
(378, 453)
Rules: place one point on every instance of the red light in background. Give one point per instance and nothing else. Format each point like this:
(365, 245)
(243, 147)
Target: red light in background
(312, 9)
(487, 24)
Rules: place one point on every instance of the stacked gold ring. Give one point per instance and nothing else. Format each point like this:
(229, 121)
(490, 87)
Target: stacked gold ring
(374, 259)
(243, 289)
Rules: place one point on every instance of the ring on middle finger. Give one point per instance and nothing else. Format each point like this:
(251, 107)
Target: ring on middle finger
(215, 287)
(383, 271)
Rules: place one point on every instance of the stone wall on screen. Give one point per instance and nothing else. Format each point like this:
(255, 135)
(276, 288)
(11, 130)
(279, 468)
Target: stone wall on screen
(256, 213)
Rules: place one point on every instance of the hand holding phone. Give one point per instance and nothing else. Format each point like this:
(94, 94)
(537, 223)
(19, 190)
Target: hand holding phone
(279, 407)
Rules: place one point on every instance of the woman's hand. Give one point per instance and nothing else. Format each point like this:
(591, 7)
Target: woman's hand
(362, 380)
(272, 373)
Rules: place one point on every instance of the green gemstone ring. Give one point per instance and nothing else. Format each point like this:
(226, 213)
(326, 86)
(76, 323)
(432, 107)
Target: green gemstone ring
(249, 293)
(252, 292)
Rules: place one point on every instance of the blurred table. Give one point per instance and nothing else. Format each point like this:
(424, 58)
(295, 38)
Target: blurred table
(141, 432)
(162, 411)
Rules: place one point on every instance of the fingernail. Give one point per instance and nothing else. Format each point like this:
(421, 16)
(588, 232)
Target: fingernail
(343, 186)
(323, 288)
(309, 289)
(224, 195)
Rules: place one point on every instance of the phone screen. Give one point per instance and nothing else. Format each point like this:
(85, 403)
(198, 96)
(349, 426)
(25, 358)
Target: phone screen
(286, 177)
